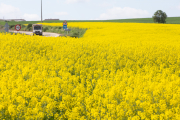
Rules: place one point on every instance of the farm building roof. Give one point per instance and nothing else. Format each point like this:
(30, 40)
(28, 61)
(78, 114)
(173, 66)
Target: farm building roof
(50, 19)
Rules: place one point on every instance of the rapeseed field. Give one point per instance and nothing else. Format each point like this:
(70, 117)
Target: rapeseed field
(123, 71)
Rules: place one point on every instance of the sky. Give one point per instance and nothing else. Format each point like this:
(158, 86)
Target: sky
(30, 10)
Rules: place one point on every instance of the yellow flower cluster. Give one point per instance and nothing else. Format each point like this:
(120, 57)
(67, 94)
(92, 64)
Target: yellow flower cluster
(116, 71)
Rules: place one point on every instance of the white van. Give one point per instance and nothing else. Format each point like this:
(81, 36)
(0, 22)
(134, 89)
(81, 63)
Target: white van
(37, 29)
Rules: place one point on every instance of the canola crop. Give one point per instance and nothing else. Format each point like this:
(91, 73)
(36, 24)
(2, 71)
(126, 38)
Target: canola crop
(125, 71)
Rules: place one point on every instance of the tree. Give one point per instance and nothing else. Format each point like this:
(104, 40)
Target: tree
(160, 16)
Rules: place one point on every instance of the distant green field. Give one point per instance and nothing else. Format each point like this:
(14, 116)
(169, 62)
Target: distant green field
(169, 20)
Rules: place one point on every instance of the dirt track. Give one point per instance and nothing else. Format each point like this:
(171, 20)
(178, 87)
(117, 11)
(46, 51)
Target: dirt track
(48, 34)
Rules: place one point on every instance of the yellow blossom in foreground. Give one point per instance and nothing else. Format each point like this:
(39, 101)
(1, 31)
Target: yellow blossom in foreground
(115, 71)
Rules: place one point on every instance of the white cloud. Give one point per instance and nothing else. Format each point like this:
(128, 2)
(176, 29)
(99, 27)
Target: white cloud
(61, 13)
(9, 12)
(178, 7)
(105, 4)
(30, 17)
(76, 1)
(123, 13)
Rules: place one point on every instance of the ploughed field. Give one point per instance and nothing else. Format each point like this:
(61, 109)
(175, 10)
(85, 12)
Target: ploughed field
(115, 71)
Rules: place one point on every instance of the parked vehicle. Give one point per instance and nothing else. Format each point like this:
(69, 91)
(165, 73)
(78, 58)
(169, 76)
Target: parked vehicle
(37, 29)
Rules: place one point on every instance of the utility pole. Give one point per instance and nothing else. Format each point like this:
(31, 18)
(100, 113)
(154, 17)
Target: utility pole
(41, 11)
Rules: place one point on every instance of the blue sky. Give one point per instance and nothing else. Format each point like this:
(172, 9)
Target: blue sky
(86, 9)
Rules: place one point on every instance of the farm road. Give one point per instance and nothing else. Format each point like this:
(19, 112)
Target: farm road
(47, 34)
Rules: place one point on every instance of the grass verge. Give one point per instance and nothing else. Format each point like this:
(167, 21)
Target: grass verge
(75, 32)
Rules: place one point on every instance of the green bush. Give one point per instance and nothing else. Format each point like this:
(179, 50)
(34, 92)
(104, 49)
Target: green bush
(23, 26)
(29, 26)
(1, 26)
(11, 26)
(45, 29)
(76, 35)
(58, 27)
